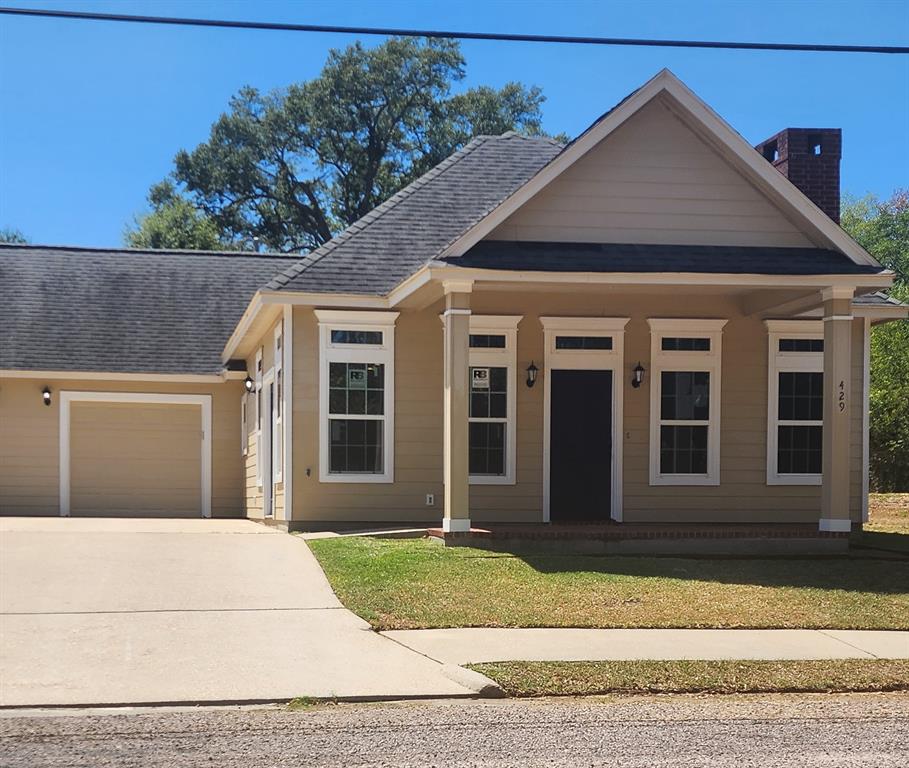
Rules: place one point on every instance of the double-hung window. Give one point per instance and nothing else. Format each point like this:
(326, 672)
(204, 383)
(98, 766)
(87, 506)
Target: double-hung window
(492, 410)
(356, 396)
(795, 400)
(685, 401)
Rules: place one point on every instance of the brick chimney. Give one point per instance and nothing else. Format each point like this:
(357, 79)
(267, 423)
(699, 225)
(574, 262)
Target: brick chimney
(810, 159)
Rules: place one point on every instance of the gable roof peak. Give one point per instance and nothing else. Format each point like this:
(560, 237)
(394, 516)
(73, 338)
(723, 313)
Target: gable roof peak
(712, 128)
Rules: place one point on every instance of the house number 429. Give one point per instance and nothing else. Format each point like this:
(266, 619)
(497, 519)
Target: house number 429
(841, 397)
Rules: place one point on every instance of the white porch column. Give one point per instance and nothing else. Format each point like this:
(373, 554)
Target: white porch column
(457, 391)
(837, 409)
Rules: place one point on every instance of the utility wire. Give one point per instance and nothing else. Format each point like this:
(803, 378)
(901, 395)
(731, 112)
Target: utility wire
(401, 32)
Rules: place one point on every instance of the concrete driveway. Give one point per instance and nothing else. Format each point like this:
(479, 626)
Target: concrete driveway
(97, 611)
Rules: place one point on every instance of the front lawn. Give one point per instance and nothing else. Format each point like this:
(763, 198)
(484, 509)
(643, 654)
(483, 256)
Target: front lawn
(415, 583)
(585, 678)
(888, 523)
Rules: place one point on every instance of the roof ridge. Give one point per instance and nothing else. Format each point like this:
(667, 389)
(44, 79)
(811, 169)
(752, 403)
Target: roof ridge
(148, 251)
(307, 260)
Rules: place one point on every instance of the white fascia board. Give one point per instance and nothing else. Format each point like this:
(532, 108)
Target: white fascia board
(706, 122)
(246, 320)
(884, 279)
(880, 314)
(301, 299)
(255, 322)
(877, 313)
(177, 378)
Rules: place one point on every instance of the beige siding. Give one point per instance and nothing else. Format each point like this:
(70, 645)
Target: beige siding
(652, 181)
(743, 494)
(418, 429)
(135, 459)
(29, 441)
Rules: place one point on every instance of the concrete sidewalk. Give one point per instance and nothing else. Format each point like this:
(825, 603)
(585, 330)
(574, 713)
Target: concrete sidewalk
(470, 646)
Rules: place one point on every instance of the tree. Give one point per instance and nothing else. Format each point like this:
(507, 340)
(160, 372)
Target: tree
(295, 166)
(174, 222)
(10, 235)
(882, 228)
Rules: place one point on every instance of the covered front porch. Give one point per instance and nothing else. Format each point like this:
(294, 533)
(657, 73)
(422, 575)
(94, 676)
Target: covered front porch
(650, 407)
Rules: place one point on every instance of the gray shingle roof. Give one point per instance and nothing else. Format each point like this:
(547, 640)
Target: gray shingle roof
(878, 299)
(124, 311)
(617, 257)
(414, 226)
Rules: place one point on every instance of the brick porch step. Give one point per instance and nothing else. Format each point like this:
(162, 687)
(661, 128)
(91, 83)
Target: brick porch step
(620, 531)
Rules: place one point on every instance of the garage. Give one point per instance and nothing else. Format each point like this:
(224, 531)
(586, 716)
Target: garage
(135, 455)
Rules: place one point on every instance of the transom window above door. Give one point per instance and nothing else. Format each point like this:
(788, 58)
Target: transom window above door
(795, 402)
(685, 401)
(356, 396)
(342, 336)
(583, 342)
(487, 340)
(493, 397)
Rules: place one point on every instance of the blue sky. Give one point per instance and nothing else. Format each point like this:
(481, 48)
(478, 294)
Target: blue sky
(92, 113)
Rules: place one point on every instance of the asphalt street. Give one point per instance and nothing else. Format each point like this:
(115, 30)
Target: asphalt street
(785, 730)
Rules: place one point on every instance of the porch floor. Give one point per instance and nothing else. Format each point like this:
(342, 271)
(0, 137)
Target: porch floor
(618, 531)
(742, 539)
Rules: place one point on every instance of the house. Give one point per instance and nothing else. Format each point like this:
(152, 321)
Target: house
(654, 323)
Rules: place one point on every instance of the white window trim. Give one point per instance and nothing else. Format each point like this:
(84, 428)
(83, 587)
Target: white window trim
(244, 424)
(507, 326)
(288, 411)
(586, 360)
(277, 431)
(257, 414)
(796, 362)
(329, 320)
(67, 398)
(675, 360)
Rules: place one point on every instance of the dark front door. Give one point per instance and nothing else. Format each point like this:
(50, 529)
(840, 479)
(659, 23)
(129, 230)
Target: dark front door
(580, 445)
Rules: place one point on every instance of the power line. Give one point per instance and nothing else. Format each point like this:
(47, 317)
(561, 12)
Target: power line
(496, 36)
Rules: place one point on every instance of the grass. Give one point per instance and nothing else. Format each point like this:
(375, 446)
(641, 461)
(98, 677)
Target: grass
(414, 583)
(888, 526)
(302, 703)
(584, 678)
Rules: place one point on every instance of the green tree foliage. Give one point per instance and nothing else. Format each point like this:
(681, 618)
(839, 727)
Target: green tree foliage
(10, 235)
(173, 223)
(882, 228)
(295, 166)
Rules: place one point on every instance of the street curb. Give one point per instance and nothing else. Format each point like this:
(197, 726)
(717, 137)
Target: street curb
(481, 685)
(14, 710)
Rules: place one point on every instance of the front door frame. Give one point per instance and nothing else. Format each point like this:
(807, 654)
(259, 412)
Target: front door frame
(586, 360)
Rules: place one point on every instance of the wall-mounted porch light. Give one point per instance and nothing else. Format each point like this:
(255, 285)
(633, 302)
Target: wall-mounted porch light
(531, 374)
(637, 376)
(46, 395)
(248, 383)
